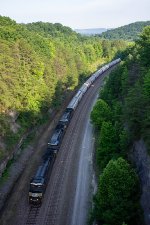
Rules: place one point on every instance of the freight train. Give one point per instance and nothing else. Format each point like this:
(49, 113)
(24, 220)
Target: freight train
(39, 181)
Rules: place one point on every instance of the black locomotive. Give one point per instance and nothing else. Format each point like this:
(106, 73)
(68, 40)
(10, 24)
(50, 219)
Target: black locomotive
(39, 181)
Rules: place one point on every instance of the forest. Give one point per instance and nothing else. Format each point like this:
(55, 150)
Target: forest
(120, 117)
(128, 32)
(41, 64)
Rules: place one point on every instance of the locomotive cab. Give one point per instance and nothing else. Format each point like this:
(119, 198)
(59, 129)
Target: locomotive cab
(38, 183)
(36, 191)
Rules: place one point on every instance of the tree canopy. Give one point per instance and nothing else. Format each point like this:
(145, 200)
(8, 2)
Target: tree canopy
(127, 95)
(101, 112)
(117, 194)
(128, 32)
(40, 65)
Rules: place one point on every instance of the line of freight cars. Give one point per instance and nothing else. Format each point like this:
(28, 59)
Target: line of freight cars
(39, 181)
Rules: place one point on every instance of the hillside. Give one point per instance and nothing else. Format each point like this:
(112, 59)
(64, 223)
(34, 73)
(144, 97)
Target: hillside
(50, 29)
(127, 32)
(40, 66)
(121, 117)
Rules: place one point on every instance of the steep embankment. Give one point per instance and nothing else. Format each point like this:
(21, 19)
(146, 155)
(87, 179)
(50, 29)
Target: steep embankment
(141, 158)
(40, 65)
(122, 120)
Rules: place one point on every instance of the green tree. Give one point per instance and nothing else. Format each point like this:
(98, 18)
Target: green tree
(112, 89)
(40, 64)
(107, 145)
(144, 46)
(146, 86)
(134, 109)
(145, 123)
(101, 112)
(117, 195)
(106, 45)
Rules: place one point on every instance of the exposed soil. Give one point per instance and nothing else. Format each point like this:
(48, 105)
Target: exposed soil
(141, 159)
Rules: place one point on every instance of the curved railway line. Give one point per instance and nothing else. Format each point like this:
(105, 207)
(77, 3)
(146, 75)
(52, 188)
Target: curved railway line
(57, 210)
(56, 188)
(60, 170)
(57, 206)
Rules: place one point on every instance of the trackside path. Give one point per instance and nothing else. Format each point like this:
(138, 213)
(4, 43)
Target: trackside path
(84, 178)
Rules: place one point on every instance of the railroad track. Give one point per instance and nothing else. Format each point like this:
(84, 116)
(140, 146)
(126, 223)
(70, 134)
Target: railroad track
(32, 216)
(49, 211)
(52, 206)
(54, 197)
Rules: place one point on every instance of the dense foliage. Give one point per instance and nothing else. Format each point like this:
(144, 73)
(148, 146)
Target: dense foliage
(117, 194)
(121, 116)
(127, 32)
(40, 65)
